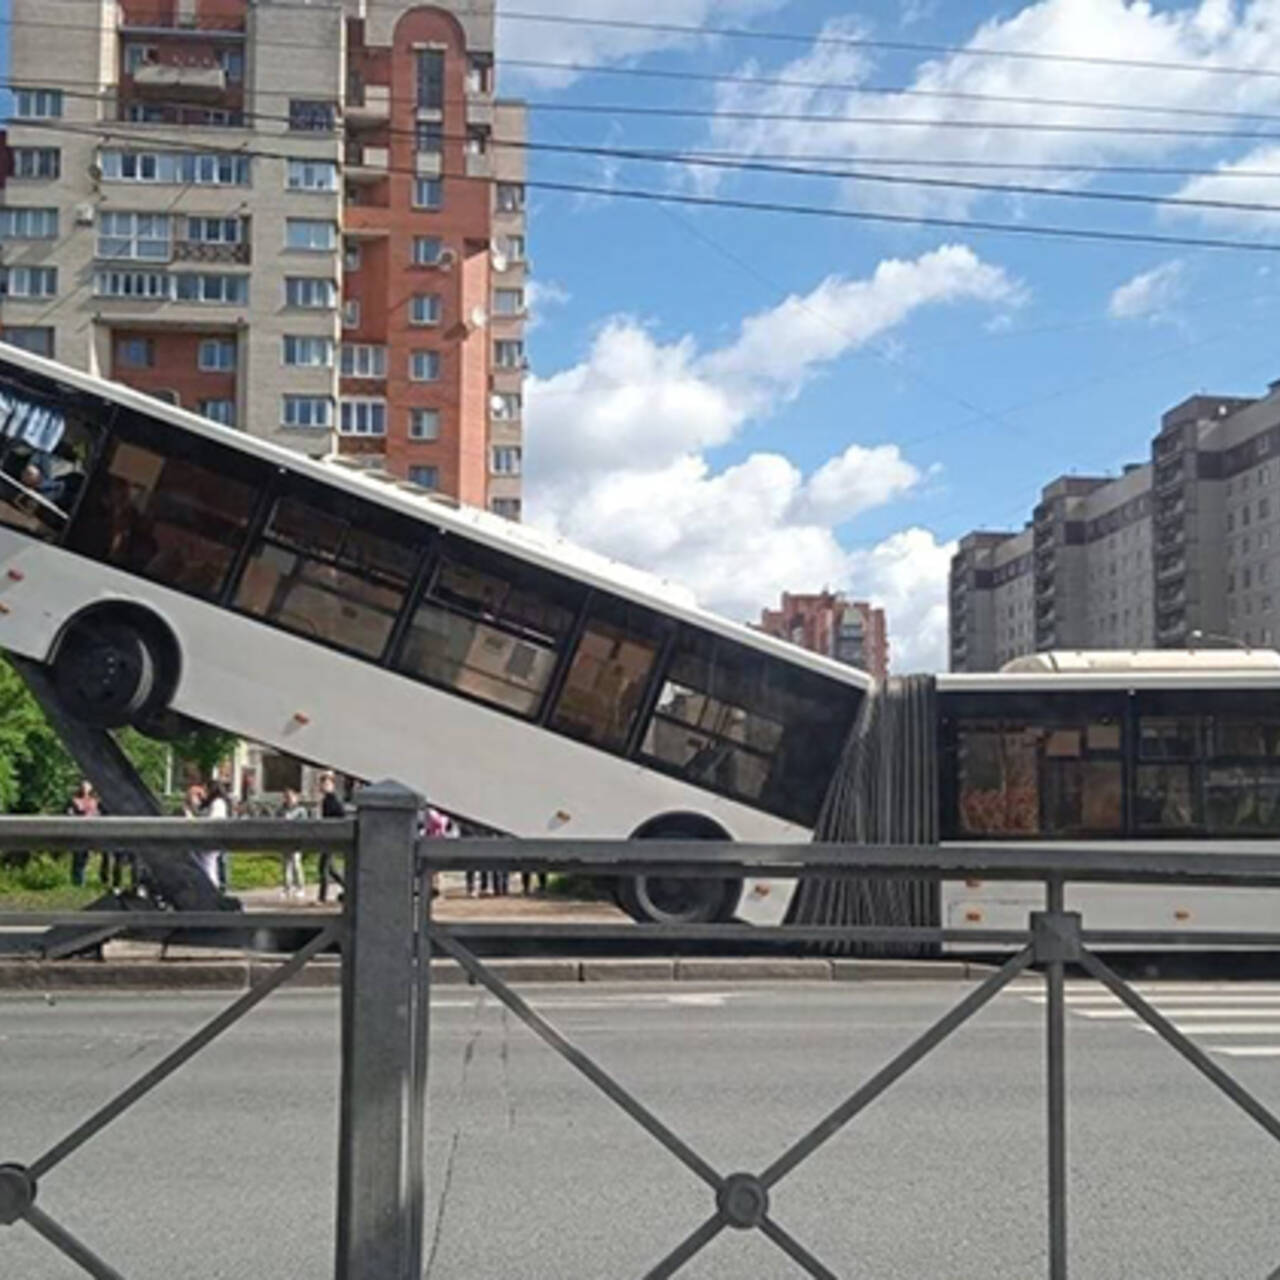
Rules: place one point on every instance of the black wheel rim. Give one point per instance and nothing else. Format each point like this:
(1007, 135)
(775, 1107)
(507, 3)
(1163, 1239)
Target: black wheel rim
(677, 899)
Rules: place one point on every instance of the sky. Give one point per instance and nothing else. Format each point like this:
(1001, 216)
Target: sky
(748, 402)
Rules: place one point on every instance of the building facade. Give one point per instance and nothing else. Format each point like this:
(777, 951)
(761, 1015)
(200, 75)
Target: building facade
(295, 219)
(1187, 541)
(851, 631)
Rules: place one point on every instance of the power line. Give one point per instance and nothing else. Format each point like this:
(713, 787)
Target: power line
(747, 164)
(1095, 234)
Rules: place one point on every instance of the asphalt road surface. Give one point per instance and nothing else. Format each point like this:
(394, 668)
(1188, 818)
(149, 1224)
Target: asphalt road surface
(226, 1171)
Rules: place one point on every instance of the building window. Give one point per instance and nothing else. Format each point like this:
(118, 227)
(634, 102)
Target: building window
(313, 292)
(227, 289)
(135, 353)
(363, 417)
(312, 175)
(427, 477)
(140, 236)
(28, 224)
(351, 313)
(215, 230)
(351, 255)
(314, 235)
(428, 193)
(139, 55)
(477, 143)
(424, 308)
(507, 508)
(360, 360)
(504, 406)
(37, 162)
(194, 168)
(505, 460)
(223, 411)
(308, 352)
(37, 104)
(309, 115)
(427, 250)
(38, 339)
(232, 63)
(479, 75)
(508, 302)
(430, 79)
(307, 411)
(424, 424)
(512, 248)
(217, 355)
(429, 137)
(28, 282)
(152, 285)
(424, 366)
(510, 197)
(508, 353)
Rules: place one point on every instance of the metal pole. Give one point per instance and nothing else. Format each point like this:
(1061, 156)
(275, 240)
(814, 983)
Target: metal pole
(1055, 1046)
(375, 1231)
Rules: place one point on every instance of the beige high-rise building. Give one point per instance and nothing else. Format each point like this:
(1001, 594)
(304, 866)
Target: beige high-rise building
(298, 219)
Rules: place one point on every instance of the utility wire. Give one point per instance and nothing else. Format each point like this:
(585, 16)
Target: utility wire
(701, 160)
(1042, 230)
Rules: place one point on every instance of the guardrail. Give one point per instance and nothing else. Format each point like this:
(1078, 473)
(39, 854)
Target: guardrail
(386, 934)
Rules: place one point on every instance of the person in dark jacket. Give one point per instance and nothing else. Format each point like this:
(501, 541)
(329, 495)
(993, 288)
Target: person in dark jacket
(331, 806)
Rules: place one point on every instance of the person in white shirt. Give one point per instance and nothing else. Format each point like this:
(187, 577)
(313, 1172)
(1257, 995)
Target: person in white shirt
(217, 806)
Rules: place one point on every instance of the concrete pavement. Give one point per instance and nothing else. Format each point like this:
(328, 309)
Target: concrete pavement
(227, 1170)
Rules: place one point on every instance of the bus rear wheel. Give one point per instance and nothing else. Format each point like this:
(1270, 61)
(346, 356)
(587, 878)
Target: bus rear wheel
(677, 899)
(106, 672)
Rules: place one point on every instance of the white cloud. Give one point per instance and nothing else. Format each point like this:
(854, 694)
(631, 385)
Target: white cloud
(1150, 295)
(1210, 33)
(541, 296)
(617, 449)
(1248, 180)
(584, 43)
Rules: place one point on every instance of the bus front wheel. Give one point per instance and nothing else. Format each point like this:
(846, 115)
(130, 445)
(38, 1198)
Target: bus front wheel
(106, 672)
(676, 899)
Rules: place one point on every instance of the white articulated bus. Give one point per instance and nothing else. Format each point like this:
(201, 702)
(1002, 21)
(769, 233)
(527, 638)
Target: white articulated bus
(165, 567)
(161, 564)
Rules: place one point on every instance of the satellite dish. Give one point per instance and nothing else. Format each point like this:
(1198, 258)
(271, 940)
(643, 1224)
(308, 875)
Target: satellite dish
(499, 260)
(497, 404)
(478, 318)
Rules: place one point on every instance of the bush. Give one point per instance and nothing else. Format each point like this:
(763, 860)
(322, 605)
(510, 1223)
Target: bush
(42, 872)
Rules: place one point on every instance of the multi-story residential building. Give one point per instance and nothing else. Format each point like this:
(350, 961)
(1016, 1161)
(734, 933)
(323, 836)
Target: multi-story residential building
(851, 631)
(297, 219)
(1187, 542)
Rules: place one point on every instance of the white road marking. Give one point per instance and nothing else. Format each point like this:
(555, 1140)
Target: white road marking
(1244, 1050)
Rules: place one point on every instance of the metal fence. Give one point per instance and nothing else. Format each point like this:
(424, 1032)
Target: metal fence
(386, 935)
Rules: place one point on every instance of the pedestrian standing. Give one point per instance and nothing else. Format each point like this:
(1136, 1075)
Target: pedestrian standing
(295, 880)
(331, 806)
(194, 805)
(84, 804)
(218, 806)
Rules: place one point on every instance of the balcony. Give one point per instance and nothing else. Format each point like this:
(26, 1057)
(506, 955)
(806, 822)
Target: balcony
(195, 78)
(367, 104)
(1171, 626)
(203, 251)
(365, 164)
(1169, 474)
(1170, 568)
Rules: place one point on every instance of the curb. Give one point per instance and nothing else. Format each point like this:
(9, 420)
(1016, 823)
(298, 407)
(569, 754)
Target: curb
(325, 973)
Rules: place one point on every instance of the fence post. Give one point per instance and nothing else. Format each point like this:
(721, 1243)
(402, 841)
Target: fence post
(379, 1225)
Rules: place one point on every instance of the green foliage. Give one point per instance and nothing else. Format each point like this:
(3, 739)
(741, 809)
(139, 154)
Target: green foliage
(149, 757)
(205, 748)
(41, 873)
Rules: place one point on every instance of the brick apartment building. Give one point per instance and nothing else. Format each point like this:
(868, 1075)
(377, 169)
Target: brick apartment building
(1187, 541)
(293, 218)
(851, 631)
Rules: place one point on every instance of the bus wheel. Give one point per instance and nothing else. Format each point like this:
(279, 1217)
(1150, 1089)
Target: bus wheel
(106, 672)
(675, 899)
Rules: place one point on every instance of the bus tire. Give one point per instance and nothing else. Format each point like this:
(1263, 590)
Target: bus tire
(107, 672)
(676, 900)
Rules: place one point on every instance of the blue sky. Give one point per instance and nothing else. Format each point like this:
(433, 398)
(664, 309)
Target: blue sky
(866, 424)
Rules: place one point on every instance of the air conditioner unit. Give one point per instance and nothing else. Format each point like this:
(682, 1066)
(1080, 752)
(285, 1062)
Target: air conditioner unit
(85, 214)
(446, 259)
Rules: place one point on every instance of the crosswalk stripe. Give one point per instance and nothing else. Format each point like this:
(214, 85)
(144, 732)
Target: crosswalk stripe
(1244, 1050)
(1206, 1011)
(1221, 1028)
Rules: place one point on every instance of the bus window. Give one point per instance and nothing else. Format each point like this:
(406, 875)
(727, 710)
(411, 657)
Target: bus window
(165, 517)
(751, 726)
(48, 438)
(1242, 775)
(610, 671)
(1167, 791)
(490, 626)
(1019, 779)
(327, 574)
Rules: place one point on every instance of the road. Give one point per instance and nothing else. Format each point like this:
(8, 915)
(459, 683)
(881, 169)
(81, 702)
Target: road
(226, 1172)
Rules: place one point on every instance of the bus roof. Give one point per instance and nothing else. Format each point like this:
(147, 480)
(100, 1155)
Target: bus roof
(521, 541)
(1190, 660)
